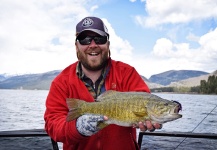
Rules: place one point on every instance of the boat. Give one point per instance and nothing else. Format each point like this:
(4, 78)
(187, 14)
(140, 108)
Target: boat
(42, 133)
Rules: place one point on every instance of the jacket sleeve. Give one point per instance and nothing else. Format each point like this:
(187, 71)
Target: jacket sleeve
(55, 116)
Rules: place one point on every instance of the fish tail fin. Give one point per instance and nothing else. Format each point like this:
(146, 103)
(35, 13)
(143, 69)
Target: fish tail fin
(74, 106)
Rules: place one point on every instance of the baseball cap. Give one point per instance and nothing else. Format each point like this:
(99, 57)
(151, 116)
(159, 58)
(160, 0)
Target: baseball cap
(93, 24)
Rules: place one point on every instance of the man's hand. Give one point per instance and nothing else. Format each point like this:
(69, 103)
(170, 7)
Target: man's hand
(87, 124)
(147, 125)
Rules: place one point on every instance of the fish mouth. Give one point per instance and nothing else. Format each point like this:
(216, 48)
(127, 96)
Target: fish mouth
(174, 113)
(178, 107)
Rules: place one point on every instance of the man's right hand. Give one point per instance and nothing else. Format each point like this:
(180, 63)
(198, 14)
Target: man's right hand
(87, 124)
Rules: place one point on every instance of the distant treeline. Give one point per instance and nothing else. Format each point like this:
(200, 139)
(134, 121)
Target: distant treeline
(210, 86)
(205, 87)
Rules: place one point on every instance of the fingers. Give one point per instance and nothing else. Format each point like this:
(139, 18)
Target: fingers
(142, 127)
(147, 125)
(157, 126)
(105, 118)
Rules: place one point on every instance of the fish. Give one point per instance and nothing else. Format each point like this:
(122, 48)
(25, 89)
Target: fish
(126, 108)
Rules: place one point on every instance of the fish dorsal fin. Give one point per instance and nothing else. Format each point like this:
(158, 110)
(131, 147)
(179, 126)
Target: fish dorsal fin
(110, 94)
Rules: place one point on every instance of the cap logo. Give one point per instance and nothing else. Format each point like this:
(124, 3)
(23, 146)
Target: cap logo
(87, 22)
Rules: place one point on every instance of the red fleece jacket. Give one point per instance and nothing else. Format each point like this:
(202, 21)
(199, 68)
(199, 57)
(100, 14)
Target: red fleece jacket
(121, 77)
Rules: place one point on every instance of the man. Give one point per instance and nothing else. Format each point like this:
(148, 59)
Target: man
(93, 73)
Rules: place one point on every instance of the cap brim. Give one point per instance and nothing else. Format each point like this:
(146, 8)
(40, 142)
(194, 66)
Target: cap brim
(96, 31)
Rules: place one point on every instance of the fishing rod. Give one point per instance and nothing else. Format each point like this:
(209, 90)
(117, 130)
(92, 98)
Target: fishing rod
(197, 125)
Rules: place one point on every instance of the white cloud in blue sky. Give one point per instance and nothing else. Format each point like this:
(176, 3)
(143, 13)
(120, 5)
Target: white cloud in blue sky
(179, 11)
(152, 35)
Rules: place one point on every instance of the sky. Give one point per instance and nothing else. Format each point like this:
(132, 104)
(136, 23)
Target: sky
(154, 36)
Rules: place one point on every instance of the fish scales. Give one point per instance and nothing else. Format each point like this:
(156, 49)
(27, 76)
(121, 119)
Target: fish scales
(126, 108)
(124, 105)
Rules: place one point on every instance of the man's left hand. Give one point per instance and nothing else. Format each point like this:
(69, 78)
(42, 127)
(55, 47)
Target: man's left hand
(147, 125)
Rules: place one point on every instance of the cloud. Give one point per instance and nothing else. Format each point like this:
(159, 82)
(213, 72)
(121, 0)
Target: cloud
(208, 51)
(192, 37)
(38, 36)
(164, 48)
(120, 49)
(167, 55)
(32, 25)
(94, 8)
(179, 11)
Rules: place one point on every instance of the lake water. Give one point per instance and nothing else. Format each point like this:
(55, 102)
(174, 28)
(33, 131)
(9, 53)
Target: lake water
(24, 109)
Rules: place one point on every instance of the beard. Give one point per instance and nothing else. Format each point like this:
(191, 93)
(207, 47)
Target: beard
(92, 65)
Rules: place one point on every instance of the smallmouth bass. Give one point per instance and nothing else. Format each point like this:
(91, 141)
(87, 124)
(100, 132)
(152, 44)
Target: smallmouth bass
(126, 108)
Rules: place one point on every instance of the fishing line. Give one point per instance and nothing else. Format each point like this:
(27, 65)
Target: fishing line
(197, 125)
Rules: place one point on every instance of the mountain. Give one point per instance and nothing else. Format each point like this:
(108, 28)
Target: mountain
(144, 78)
(29, 81)
(2, 77)
(150, 84)
(168, 77)
(42, 81)
(190, 82)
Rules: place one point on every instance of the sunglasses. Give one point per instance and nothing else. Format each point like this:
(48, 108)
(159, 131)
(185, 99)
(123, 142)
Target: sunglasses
(97, 39)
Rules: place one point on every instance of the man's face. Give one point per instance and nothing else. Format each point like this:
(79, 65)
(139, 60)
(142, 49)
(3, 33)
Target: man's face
(92, 56)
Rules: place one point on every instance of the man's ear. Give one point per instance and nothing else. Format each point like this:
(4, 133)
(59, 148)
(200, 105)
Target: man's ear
(76, 46)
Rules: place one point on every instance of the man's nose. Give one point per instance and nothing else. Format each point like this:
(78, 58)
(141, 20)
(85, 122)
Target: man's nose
(92, 43)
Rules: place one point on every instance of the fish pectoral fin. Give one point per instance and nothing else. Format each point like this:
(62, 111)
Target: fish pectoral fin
(101, 125)
(140, 114)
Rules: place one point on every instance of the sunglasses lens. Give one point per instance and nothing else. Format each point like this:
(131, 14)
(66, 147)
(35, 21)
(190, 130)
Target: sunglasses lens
(85, 41)
(100, 39)
(97, 39)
